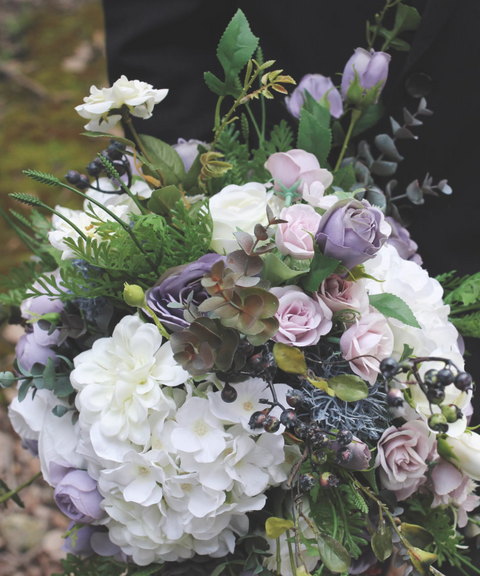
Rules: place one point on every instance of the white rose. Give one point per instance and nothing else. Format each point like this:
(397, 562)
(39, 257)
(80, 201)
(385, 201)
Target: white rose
(140, 98)
(237, 207)
(467, 449)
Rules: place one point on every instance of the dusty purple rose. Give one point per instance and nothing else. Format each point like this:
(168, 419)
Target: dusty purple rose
(403, 244)
(29, 352)
(175, 286)
(371, 67)
(92, 540)
(187, 151)
(317, 86)
(361, 455)
(352, 231)
(402, 455)
(76, 493)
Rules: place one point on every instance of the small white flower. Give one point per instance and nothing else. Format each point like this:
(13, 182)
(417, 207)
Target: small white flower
(84, 222)
(140, 98)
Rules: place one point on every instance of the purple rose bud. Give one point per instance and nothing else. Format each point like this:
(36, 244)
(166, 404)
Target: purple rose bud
(360, 455)
(29, 352)
(174, 286)
(352, 231)
(317, 86)
(188, 151)
(403, 244)
(78, 498)
(371, 67)
(92, 540)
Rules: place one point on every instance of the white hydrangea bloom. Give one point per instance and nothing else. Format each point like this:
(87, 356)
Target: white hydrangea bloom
(140, 98)
(84, 222)
(119, 381)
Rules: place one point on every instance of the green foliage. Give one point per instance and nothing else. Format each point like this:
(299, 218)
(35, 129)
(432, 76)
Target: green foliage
(281, 139)
(277, 272)
(348, 387)
(466, 291)
(164, 158)
(340, 514)
(319, 112)
(370, 116)
(313, 137)
(407, 18)
(235, 49)
(392, 306)
(321, 267)
(468, 325)
(4, 489)
(16, 283)
(99, 566)
(344, 178)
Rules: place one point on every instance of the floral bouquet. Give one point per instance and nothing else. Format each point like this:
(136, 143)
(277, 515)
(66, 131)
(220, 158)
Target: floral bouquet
(233, 361)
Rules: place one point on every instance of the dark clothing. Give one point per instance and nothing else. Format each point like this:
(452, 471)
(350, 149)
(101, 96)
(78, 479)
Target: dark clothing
(171, 43)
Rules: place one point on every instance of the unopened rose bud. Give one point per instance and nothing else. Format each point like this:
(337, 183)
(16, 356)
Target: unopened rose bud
(371, 68)
(134, 295)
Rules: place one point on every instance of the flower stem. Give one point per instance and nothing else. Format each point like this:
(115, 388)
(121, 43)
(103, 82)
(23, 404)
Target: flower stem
(12, 493)
(158, 324)
(353, 120)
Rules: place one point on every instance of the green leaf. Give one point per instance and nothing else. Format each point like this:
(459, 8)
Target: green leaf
(164, 158)
(49, 375)
(358, 272)
(400, 45)
(289, 359)
(468, 325)
(322, 266)
(215, 85)
(382, 542)
(406, 353)
(369, 118)
(313, 137)
(63, 387)
(333, 554)
(275, 527)
(422, 560)
(7, 379)
(24, 387)
(406, 18)
(394, 307)
(416, 535)
(276, 271)
(110, 137)
(164, 200)
(345, 177)
(235, 49)
(59, 410)
(446, 452)
(319, 112)
(348, 387)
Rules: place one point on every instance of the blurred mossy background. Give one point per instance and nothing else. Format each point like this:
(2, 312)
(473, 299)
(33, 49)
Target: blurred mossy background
(51, 52)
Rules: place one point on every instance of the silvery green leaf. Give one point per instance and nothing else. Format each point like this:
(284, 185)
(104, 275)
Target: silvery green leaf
(365, 153)
(389, 188)
(405, 134)
(395, 125)
(410, 119)
(415, 193)
(376, 198)
(422, 108)
(383, 168)
(386, 145)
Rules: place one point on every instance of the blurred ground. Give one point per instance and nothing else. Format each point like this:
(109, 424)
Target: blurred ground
(51, 52)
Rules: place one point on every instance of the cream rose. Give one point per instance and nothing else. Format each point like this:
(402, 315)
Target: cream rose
(467, 449)
(237, 207)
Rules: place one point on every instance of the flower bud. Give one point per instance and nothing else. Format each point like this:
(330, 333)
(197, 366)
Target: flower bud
(452, 413)
(363, 72)
(134, 295)
(438, 422)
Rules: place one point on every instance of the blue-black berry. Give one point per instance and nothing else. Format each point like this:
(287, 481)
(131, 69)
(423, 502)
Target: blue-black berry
(389, 367)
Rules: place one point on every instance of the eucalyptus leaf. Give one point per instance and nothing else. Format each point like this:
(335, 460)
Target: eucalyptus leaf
(333, 554)
(24, 387)
(386, 145)
(348, 387)
(49, 375)
(276, 271)
(383, 168)
(415, 193)
(313, 137)
(59, 410)
(63, 387)
(394, 307)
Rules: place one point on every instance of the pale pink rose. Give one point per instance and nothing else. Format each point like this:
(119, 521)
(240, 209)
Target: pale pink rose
(451, 486)
(302, 319)
(371, 338)
(402, 455)
(288, 167)
(293, 238)
(339, 294)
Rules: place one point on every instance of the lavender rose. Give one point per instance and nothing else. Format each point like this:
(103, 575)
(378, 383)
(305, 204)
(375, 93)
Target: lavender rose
(302, 319)
(76, 494)
(402, 455)
(187, 151)
(92, 540)
(352, 231)
(174, 286)
(371, 67)
(317, 86)
(403, 244)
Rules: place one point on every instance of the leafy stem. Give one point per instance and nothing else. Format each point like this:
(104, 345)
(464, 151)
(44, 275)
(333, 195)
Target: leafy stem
(353, 120)
(16, 490)
(378, 21)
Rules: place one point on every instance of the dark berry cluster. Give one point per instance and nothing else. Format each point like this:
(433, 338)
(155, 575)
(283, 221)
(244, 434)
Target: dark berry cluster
(115, 153)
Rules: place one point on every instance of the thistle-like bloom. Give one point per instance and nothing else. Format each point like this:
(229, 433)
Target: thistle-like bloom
(140, 98)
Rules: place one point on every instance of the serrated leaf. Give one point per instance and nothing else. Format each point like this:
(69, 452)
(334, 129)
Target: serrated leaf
(275, 527)
(345, 177)
(289, 359)
(392, 306)
(333, 554)
(164, 158)
(319, 112)
(163, 200)
(348, 387)
(215, 85)
(276, 271)
(314, 138)
(321, 267)
(382, 542)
